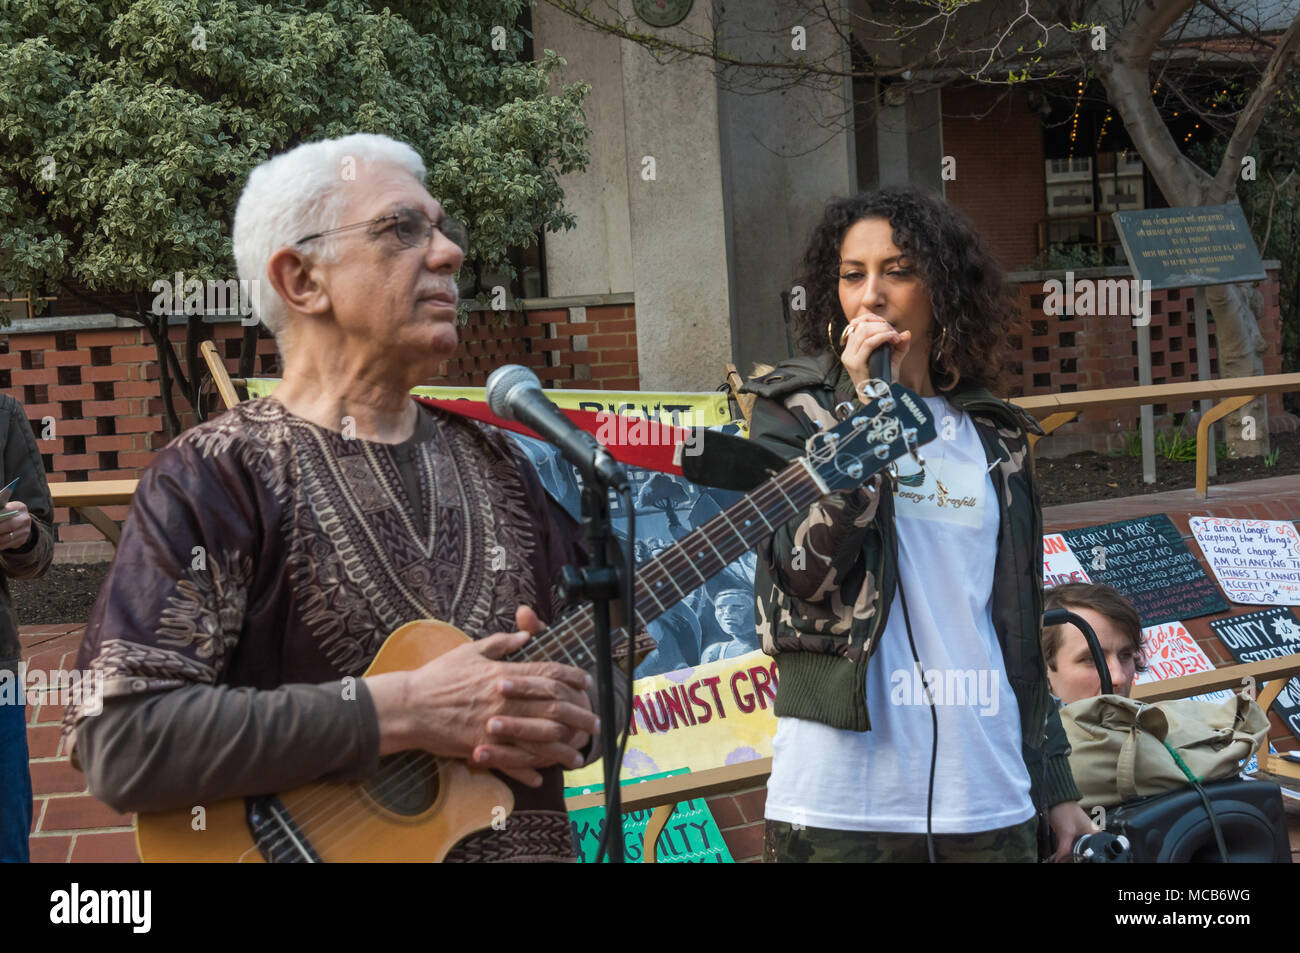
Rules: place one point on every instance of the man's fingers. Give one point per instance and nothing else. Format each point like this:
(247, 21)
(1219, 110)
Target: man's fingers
(496, 758)
(501, 755)
(526, 619)
(538, 733)
(575, 678)
(534, 687)
(501, 644)
(568, 715)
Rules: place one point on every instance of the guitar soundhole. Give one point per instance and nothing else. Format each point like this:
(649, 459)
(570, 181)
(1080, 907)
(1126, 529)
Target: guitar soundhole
(406, 783)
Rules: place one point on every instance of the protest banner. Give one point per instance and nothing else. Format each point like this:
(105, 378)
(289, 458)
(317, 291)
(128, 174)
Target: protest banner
(1060, 564)
(1257, 562)
(1148, 562)
(1269, 633)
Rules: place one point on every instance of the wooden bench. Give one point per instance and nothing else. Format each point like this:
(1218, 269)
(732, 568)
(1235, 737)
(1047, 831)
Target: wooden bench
(1231, 393)
(86, 497)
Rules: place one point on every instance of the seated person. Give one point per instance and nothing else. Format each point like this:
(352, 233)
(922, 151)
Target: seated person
(1070, 668)
(735, 614)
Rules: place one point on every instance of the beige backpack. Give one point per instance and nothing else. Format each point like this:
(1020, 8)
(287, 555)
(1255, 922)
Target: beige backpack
(1123, 748)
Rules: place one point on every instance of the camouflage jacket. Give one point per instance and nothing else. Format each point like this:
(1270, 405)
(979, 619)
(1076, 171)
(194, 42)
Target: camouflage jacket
(826, 579)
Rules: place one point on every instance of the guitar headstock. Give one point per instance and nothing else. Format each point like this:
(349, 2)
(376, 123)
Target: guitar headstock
(892, 422)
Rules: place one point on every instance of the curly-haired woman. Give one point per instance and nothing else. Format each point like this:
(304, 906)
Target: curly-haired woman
(905, 618)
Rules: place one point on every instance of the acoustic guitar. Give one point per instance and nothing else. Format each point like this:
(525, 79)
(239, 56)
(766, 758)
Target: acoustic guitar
(418, 805)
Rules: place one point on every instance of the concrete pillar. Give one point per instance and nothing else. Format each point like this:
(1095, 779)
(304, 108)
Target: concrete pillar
(596, 256)
(786, 152)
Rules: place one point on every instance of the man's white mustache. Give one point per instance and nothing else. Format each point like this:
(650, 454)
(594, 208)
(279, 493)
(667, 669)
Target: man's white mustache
(444, 285)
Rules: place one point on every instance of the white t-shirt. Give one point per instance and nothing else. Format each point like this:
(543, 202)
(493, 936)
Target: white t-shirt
(877, 780)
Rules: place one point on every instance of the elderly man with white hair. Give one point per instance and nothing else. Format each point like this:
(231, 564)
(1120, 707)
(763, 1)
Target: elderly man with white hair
(271, 551)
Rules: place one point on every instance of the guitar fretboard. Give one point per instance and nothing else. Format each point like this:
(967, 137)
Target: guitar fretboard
(677, 570)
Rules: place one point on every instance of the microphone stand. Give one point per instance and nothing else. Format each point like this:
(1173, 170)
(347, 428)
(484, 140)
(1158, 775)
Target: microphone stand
(600, 582)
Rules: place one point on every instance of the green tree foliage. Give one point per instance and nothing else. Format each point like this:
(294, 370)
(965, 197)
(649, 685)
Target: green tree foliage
(127, 129)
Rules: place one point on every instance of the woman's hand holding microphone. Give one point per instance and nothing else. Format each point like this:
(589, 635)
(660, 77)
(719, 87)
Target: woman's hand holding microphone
(861, 337)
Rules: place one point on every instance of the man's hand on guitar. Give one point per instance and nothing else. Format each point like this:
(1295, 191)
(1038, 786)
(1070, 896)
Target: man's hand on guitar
(514, 717)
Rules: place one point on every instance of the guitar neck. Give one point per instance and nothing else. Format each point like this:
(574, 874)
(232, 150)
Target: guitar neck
(677, 570)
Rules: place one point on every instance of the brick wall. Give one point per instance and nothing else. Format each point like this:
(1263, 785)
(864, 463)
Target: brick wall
(1000, 179)
(586, 347)
(94, 389)
(1069, 353)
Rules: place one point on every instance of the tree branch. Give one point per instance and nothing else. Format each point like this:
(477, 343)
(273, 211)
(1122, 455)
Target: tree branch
(1225, 182)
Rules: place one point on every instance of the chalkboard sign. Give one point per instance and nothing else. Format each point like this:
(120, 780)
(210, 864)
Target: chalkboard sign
(1181, 247)
(1269, 633)
(1147, 560)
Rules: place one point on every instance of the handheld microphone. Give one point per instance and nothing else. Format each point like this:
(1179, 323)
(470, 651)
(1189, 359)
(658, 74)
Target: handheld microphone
(515, 393)
(878, 363)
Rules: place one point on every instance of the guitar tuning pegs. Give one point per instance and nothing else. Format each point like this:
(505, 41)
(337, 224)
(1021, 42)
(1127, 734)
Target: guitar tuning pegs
(843, 409)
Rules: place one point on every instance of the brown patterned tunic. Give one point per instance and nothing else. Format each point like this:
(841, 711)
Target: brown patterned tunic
(266, 552)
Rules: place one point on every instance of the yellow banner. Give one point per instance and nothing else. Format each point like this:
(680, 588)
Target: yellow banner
(705, 717)
(683, 410)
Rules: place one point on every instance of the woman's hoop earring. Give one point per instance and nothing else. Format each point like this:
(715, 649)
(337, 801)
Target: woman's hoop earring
(830, 334)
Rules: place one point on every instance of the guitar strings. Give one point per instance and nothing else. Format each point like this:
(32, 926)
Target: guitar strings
(335, 806)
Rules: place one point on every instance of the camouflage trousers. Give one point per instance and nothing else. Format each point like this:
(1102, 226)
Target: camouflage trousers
(783, 844)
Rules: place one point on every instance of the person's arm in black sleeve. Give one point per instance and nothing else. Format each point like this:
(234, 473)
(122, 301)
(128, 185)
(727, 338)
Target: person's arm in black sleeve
(22, 459)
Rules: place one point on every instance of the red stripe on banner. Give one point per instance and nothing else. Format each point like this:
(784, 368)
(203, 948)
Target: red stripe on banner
(632, 440)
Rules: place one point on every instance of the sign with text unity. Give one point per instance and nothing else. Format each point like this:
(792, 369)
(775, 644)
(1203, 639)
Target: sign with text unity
(1269, 633)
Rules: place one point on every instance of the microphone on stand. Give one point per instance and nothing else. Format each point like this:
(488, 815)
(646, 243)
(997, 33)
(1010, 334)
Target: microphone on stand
(515, 393)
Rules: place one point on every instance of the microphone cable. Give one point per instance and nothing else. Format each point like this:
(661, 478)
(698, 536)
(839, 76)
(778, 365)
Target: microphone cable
(934, 720)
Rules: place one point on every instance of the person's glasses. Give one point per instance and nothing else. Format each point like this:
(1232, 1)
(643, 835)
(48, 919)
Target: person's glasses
(412, 227)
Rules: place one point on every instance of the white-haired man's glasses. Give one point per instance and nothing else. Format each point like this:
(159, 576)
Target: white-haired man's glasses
(412, 227)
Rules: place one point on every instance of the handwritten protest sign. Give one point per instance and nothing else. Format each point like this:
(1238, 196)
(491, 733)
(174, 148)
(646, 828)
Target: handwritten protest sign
(1257, 562)
(1060, 565)
(1147, 561)
(1170, 651)
(1269, 633)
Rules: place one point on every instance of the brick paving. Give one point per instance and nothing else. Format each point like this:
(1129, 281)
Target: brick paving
(67, 822)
